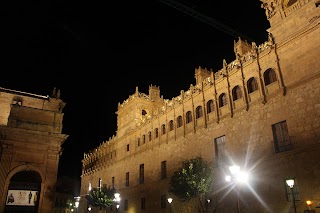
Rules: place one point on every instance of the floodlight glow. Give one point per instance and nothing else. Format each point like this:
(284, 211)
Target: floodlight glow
(234, 169)
(290, 183)
(242, 177)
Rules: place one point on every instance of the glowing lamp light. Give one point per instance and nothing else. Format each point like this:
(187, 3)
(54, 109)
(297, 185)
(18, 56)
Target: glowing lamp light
(117, 197)
(309, 203)
(170, 200)
(234, 169)
(290, 183)
(242, 177)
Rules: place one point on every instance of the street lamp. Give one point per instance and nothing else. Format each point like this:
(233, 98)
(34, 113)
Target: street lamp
(89, 209)
(290, 183)
(170, 201)
(239, 177)
(76, 203)
(207, 204)
(117, 200)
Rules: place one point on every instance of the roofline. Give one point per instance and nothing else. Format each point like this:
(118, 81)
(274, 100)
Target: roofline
(23, 93)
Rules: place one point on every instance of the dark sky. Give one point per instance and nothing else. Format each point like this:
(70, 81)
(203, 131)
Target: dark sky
(97, 52)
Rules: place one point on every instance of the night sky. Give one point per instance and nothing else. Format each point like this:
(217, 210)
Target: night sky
(97, 52)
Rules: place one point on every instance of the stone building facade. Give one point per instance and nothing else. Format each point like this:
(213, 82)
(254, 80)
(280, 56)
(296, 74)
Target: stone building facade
(261, 112)
(30, 141)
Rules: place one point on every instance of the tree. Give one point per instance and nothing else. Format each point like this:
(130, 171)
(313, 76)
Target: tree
(70, 204)
(101, 197)
(193, 180)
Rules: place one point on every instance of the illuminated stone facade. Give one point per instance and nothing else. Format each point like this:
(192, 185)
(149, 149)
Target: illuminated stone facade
(30, 142)
(261, 111)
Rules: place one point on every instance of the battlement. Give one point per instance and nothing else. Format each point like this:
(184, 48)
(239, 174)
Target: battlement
(209, 80)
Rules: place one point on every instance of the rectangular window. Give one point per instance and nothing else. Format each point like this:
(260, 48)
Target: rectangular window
(163, 169)
(295, 191)
(219, 144)
(149, 136)
(127, 179)
(143, 203)
(163, 201)
(128, 148)
(141, 174)
(112, 182)
(281, 137)
(126, 204)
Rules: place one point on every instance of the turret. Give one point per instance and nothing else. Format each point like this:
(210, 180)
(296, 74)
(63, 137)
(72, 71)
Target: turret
(201, 74)
(241, 47)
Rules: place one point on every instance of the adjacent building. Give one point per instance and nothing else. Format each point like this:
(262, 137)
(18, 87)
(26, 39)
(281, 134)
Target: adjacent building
(260, 111)
(30, 148)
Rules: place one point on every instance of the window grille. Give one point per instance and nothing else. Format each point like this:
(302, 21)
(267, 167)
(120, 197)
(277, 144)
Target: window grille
(188, 117)
(269, 76)
(281, 137)
(252, 85)
(295, 191)
(223, 100)
(210, 106)
(171, 125)
(219, 144)
(236, 93)
(198, 112)
(179, 121)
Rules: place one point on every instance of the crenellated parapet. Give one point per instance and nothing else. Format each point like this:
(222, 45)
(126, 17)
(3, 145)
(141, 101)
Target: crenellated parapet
(140, 111)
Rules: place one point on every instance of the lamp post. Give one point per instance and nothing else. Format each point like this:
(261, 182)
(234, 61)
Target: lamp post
(207, 205)
(239, 177)
(117, 200)
(170, 201)
(290, 183)
(76, 203)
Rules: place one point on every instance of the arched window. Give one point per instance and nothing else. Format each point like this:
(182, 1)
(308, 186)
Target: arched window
(210, 106)
(163, 129)
(236, 93)
(269, 76)
(223, 100)
(188, 117)
(143, 139)
(138, 141)
(156, 133)
(171, 125)
(149, 136)
(198, 112)
(179, 121)
(252, 85)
